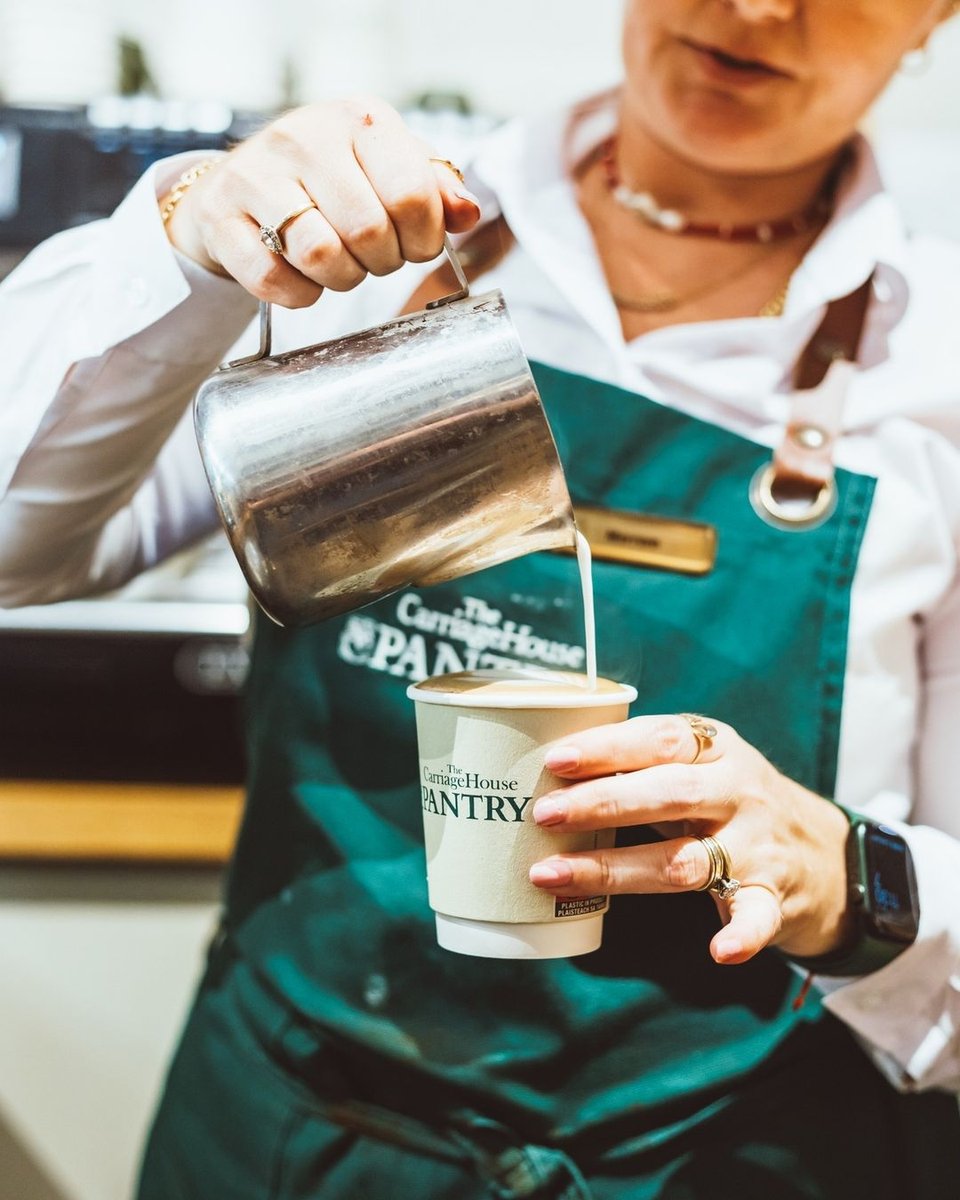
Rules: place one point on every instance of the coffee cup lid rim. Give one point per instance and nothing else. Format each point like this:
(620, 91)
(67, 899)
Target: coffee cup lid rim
(520, 688)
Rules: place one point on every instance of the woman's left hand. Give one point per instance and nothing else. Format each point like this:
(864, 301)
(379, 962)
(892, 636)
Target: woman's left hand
(786, 844)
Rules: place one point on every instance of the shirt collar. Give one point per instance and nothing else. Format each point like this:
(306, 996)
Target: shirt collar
(523, 172)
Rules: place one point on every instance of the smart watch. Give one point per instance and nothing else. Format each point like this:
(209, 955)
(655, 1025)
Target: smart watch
(882, 893)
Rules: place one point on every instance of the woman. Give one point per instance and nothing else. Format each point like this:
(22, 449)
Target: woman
(334, 1050)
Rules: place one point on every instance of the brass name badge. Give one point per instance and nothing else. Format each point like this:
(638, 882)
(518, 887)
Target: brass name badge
(643, 540)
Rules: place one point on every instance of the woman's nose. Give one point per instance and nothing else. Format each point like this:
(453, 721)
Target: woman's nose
(764, 10)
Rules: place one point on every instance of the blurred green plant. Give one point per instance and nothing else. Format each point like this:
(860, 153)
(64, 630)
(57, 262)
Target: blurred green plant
(133, 73)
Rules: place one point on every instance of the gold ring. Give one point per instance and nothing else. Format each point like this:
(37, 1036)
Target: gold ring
(270, 234)
(445, 162)
(721, 878)
(702, 730)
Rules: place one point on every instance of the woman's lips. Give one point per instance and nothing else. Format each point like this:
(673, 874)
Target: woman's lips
(724, 67)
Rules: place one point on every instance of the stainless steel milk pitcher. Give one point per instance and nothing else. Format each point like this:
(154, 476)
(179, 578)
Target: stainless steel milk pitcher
(410, 453)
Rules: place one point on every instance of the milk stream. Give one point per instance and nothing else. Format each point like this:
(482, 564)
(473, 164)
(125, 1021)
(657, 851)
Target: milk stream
(584, 562)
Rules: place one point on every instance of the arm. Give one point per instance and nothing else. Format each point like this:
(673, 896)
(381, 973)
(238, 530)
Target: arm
(114, 331)
(108, 336)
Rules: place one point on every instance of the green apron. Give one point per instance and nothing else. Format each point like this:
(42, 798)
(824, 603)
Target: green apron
(335, 1051)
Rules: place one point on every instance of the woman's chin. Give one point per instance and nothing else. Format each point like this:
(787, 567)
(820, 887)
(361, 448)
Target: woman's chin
(731, 144)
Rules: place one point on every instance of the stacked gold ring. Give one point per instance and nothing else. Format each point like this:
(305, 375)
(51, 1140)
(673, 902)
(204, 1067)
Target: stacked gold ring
(721, 878)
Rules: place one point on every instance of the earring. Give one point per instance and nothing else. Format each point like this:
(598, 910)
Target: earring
(915, 62)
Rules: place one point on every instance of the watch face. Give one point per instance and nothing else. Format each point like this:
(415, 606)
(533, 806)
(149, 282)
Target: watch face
(891, 885)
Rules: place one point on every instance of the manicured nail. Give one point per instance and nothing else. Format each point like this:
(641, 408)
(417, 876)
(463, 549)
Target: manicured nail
(552, 873)
(549, 811)
(461, 193)
(562, 758)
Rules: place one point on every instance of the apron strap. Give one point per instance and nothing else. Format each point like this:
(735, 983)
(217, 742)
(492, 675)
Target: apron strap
(796, 490)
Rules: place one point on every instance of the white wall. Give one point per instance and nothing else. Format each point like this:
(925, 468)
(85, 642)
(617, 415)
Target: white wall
(96, 966)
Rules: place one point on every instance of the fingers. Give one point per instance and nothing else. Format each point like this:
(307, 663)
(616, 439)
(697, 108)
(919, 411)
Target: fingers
(755, 920)
(672, 792)
(461, 208)
(265, 275)
(678, 865)
(314, 248)
(406, 191)
(379, 200)
(631, 745)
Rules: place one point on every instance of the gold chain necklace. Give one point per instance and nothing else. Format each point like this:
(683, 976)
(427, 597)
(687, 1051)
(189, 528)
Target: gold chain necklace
(664, 302)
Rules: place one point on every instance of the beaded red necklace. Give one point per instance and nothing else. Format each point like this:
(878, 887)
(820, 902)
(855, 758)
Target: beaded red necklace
(671, 221)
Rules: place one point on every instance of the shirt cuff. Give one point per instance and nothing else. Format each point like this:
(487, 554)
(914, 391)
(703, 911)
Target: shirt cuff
(138, 265)
(909, 1010)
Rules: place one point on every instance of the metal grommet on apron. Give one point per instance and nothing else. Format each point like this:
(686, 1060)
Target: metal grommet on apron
(790, 507)
(796, 490)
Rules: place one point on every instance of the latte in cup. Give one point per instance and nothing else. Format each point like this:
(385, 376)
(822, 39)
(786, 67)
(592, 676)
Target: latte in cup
(482, 737)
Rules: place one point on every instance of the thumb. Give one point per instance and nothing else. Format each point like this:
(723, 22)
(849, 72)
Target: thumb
(755, 920)
(461, 208)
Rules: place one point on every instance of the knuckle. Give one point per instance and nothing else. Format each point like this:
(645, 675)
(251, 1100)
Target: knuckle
(606, 809)
(319, 255)
(369, 234)
(363, 104)
(689, 790)
(282, 138)
(606, 875)
(410, 204)
(683, 868)
(668, 739)
(377, 238)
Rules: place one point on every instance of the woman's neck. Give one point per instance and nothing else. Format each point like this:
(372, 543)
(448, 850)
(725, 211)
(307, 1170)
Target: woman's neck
(644, 163)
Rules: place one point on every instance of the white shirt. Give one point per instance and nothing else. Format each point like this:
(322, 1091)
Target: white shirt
(107, 333)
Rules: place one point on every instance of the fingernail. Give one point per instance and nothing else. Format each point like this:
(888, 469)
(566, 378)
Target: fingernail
(469, 197)
(562, 758)
(549, 811)
(552, 872)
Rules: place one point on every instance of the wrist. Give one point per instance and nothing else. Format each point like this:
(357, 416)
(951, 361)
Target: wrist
(176, 213)
(828, 924)
(883, 903)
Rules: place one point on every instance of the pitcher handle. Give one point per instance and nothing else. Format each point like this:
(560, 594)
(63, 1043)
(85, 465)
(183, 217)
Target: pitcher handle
(266, 310)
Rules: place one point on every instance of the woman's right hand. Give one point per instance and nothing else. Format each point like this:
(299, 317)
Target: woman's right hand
(380, 201)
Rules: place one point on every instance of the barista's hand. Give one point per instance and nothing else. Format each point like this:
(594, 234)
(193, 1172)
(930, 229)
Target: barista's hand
(380, 202)
(786, 844)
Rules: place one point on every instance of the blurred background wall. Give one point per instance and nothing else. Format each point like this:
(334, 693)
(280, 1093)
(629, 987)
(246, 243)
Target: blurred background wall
(97, 963)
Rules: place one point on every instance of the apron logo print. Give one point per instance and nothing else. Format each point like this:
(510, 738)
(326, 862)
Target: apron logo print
(427, 641)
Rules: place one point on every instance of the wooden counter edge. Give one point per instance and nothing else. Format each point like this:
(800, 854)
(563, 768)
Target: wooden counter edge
(117, 822)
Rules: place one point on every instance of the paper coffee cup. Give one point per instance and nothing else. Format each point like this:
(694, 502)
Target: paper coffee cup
(482, 736)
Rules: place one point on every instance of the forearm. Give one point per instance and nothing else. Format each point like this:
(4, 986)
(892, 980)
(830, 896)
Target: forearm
(109, 335)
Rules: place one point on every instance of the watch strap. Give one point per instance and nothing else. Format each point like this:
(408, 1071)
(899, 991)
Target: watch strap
(867, 952)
